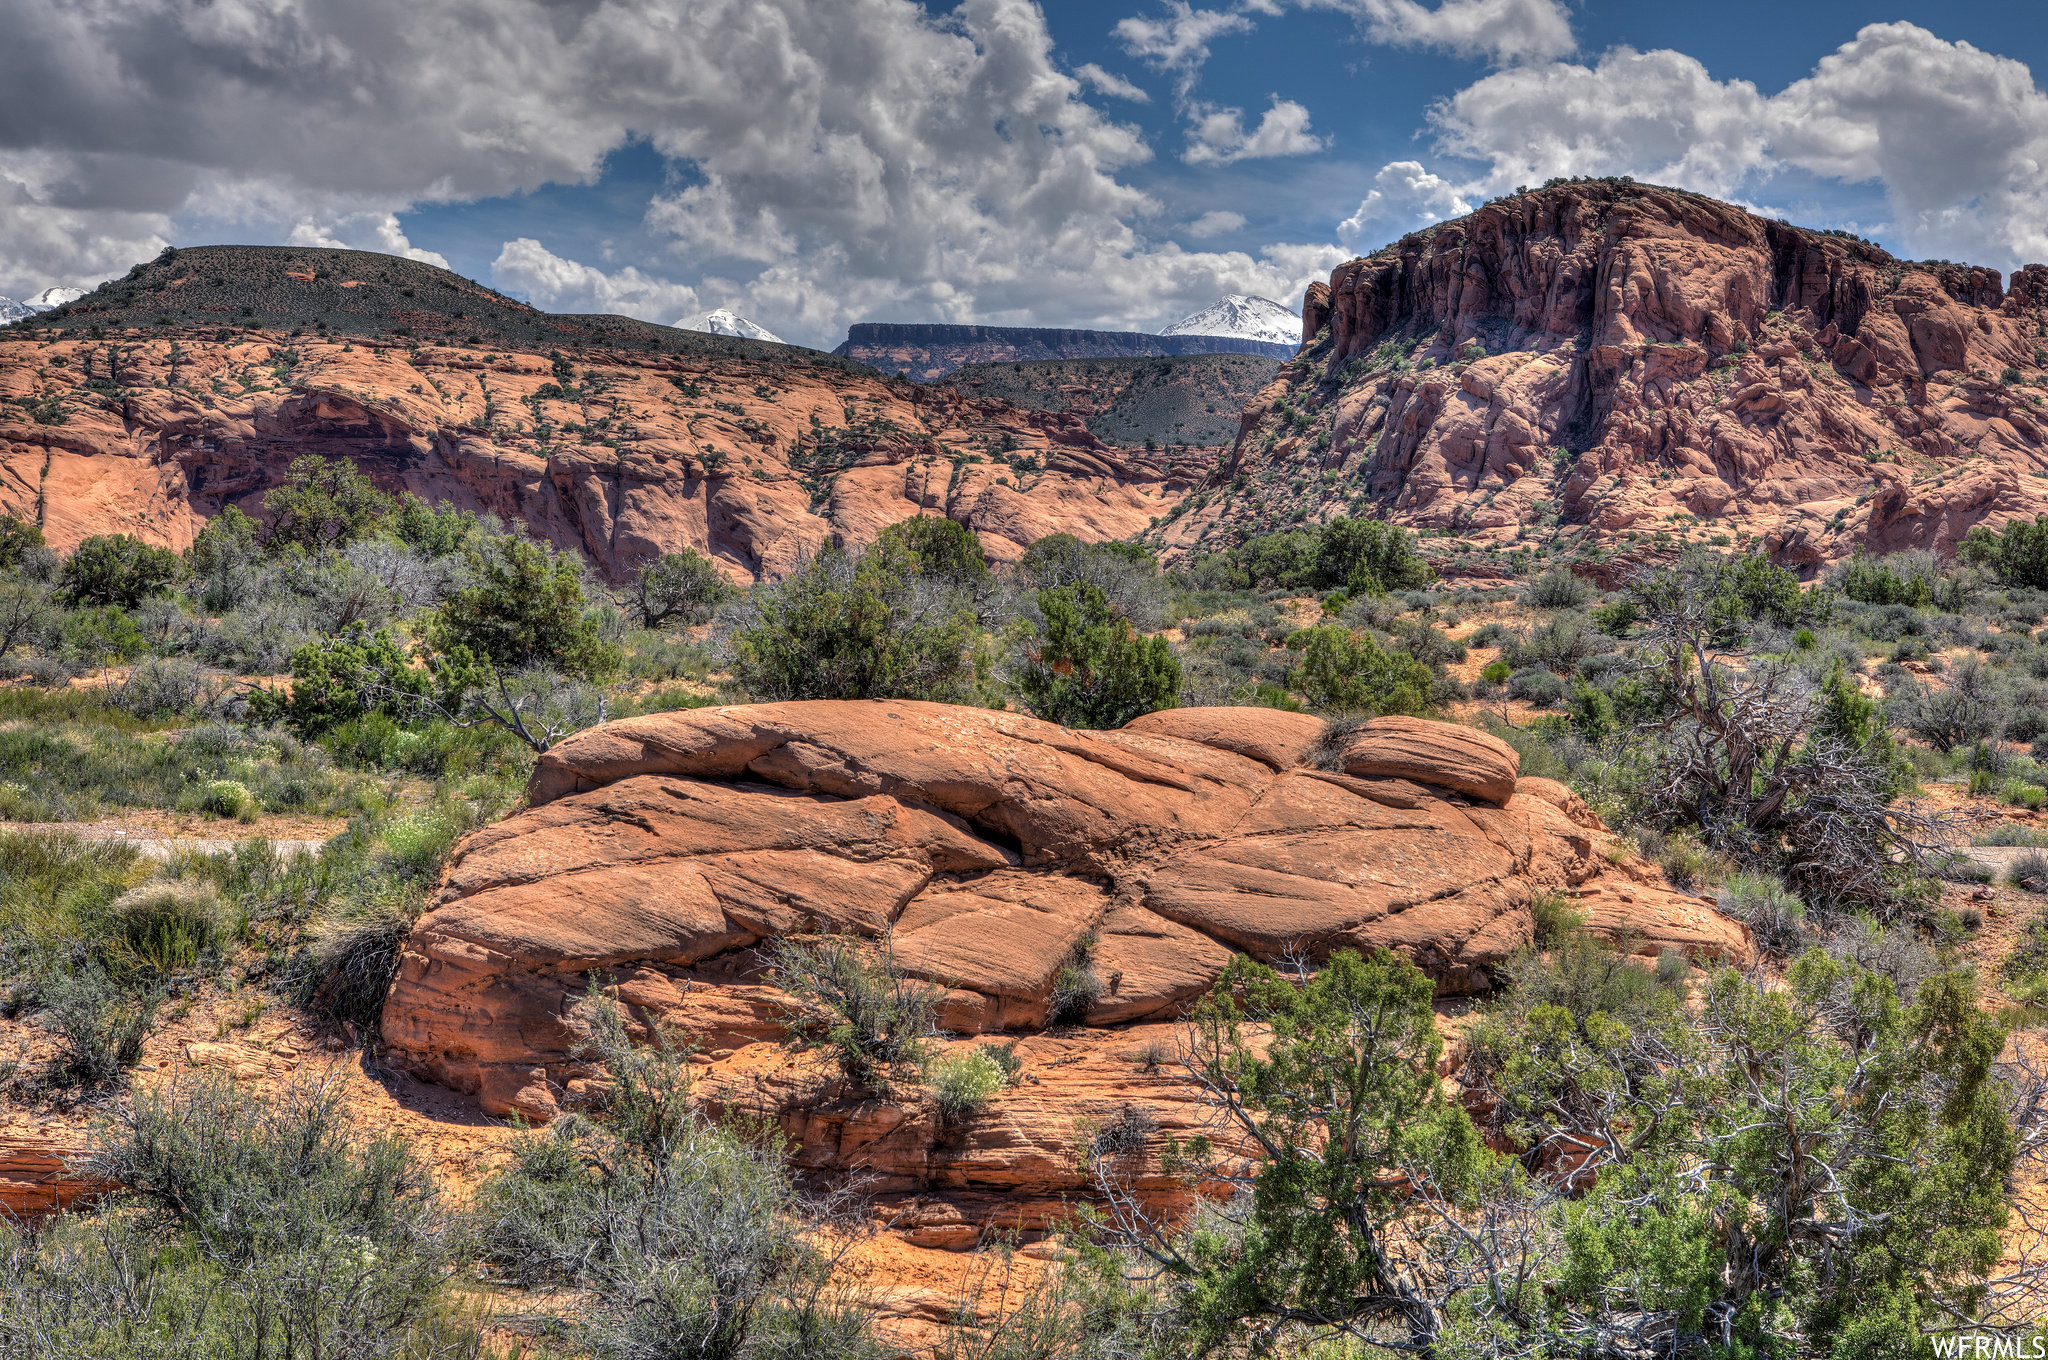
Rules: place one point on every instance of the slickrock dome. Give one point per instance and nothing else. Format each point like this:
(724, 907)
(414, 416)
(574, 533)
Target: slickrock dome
(990, 847)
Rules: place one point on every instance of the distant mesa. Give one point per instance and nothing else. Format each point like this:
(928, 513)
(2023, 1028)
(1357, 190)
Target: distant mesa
(724, 321)
(928, 351)
(1245, 318)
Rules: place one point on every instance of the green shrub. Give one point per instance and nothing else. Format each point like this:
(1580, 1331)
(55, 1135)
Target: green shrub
(246, 1229)
(171, 923)
(2021, 793)
(1558, 588)
(683, 587)
(228, 798)
(962, 1083)
(344, 677)
(853, 1001)
(1556, 919)
(117, 570)
(1091, 669)
(688, 1238)
(1346, 672)
(1684, 860)
(1076, 987)
(879, 626)
(17, 539)
(1004, 1056)
(100, 1026)
(524, 607)
(2018, 552)
(1497, 672)
(1775, 915)
(1537, 686)
(1364, 556)
(324, 503)
(1881, 583)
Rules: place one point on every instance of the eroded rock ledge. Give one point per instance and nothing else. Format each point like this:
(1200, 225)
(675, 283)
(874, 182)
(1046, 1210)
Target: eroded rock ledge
(659, 851)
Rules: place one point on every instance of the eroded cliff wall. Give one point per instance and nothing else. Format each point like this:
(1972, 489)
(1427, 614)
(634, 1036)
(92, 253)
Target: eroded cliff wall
(1596, 364)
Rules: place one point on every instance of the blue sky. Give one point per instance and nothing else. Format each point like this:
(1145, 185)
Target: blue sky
(816, 162)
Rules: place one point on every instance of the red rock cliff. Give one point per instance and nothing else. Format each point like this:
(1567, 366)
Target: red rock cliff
(1600, 360)
(750, 462)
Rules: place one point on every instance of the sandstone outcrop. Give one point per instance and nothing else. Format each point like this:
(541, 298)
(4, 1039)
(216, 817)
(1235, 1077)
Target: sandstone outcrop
(36, 1177)
(1614, 366)
(991, 851)
(1461, 758)
(751, 460)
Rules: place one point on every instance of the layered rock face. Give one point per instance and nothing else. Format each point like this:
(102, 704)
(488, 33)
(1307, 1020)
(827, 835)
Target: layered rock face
(1602, 359)
(750, 460)
(990, 851)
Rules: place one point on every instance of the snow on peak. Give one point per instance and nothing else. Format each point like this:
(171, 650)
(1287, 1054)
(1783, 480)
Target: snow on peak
(53, 297)
(1243, 317)
(12, 311)
(724, 321)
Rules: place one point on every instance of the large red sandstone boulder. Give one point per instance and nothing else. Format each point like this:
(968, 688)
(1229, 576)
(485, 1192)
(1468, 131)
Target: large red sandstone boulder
(991, 850)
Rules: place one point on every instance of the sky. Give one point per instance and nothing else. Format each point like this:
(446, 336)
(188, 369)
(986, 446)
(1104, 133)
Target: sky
(1095, 163)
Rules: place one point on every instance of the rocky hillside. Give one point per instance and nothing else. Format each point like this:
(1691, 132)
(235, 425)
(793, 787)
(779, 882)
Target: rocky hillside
(926, 353)
(611, 436)
(1603, 367)
(1188, 399)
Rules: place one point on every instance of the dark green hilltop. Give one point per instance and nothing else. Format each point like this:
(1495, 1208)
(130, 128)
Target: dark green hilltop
(307, 290)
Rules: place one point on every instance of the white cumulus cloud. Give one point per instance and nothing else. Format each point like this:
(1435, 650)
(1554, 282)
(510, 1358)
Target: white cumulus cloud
(1110, 83)
(1180, 41)
(1656, 115)
(834, 160)
(1403, 196)
(1496, 30)
(1216, 223)
(362, 231)
(1218, 136)
(555, 284)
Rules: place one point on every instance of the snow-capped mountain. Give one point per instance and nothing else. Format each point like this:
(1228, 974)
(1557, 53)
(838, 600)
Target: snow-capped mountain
(1246, 318)
(727, 322)
(11, 311)
(53, 297)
